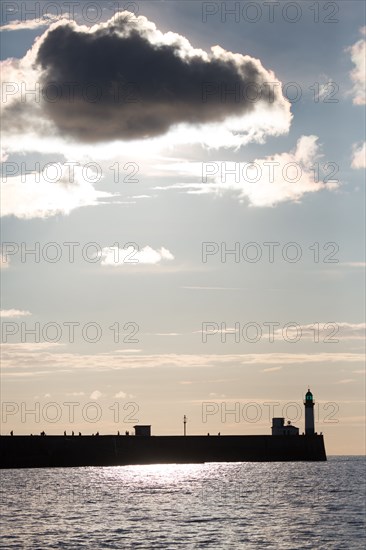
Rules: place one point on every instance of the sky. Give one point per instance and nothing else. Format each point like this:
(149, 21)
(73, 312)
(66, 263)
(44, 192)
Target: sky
(182, 212)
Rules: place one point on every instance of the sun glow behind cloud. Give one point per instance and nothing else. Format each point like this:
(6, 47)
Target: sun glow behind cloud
(116, 257)
(33, 112)
(230, 123)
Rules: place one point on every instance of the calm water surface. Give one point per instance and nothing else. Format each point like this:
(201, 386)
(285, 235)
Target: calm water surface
(222, 506)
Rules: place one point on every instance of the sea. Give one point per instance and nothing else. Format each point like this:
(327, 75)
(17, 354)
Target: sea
(294, 505)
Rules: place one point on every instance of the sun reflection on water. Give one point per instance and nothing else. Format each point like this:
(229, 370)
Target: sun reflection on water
(153, 474)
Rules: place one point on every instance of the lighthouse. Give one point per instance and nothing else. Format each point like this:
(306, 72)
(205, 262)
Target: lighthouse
(309, 413)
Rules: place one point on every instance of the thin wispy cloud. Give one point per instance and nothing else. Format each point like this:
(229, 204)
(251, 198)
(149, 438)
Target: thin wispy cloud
(10, 313)
(20, 358)
(284, 177)
(272, 369)
(128, 350)
(31, 24)
(352, 264)
(213, 288)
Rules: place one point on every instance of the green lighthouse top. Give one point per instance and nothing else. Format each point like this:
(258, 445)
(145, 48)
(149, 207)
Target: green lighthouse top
(308, 396)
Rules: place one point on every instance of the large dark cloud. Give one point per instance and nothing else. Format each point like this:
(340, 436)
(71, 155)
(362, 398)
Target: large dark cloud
(119, 83)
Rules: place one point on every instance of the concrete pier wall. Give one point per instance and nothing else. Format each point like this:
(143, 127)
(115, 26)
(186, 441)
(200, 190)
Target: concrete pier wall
(110, 450)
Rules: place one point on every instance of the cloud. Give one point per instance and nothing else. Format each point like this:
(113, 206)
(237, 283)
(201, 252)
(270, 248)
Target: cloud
(325, 89)
(353, 264)
(327, 332)
(43, 194)
(3, 155)
(33, 347)
(166, 334)
(123, 395)
(95, 395)
(9, 313)
(44, 359)
(359, 156)
(126, 80)
(128, 350)
(272, 369)
(31, 24)
(265, 182)
(117, 257)
(212, 288)
(358, 74)
(4, 262)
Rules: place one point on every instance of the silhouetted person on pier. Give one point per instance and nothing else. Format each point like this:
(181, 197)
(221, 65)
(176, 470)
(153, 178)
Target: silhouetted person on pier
(72, 433)
(79, 433)
(97, 433)
(118, 433)
(11, 433)
(127, 432)
(65, 432)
